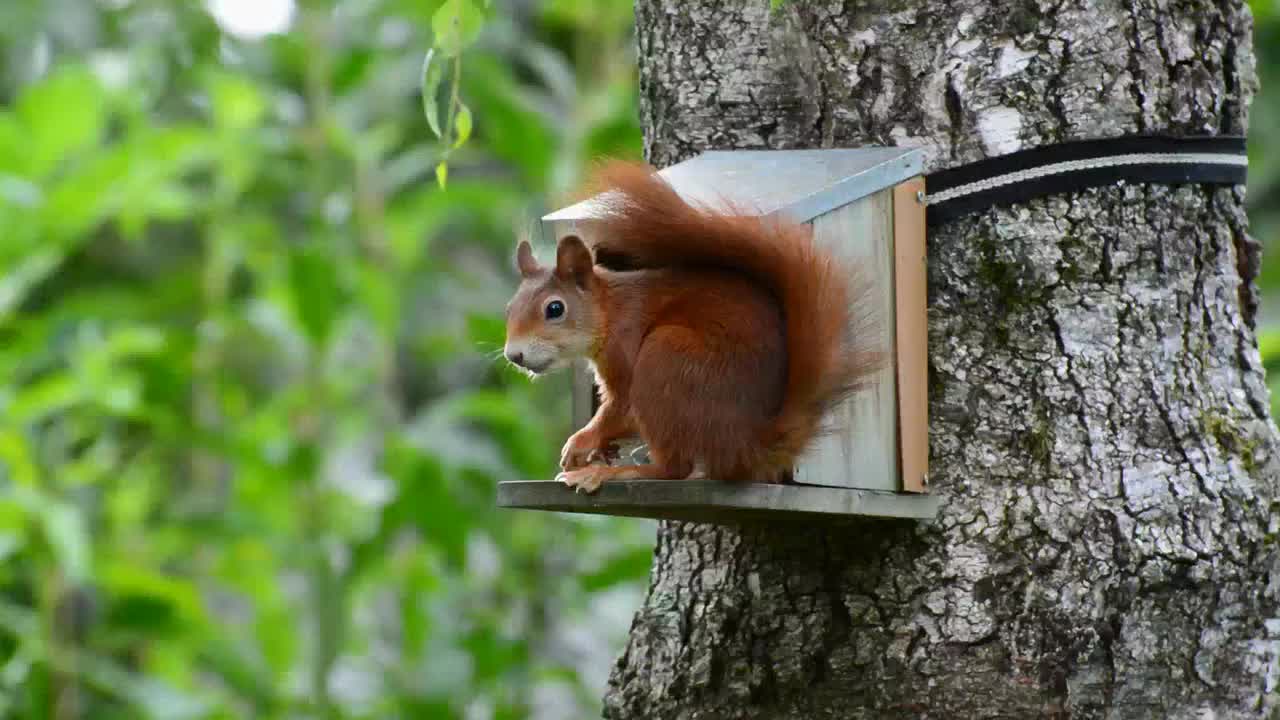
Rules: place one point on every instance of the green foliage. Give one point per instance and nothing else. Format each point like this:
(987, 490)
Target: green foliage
(251, 416)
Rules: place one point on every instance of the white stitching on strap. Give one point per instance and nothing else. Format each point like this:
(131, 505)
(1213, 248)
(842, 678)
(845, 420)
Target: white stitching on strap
(1087, 164)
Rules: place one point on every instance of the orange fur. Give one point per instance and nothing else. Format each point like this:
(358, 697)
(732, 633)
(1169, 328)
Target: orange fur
(723, 341)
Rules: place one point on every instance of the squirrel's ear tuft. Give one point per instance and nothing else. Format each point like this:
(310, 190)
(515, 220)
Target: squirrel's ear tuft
(573, 260)
(525, 261)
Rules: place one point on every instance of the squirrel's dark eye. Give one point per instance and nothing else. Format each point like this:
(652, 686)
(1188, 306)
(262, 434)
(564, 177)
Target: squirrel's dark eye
(555, 309)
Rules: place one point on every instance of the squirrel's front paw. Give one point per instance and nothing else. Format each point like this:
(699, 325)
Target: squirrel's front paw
(582, 450)
(587, 480)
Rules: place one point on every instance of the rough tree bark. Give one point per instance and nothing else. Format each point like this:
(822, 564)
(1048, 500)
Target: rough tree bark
(1100, 426)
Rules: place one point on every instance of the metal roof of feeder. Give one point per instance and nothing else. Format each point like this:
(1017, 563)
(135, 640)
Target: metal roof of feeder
(801, 184)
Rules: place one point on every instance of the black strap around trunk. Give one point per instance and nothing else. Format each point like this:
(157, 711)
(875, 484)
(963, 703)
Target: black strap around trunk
(1073, 166)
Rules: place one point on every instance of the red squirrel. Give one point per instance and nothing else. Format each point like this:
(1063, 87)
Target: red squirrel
(722, 344)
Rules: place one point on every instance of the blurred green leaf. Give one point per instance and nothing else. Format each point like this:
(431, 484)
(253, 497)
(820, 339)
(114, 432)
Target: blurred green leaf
(61, 116)
(503, 416)
(65, 531)
(317, 293)
(625, 566)
(456, 25)
(10, 544)
(62, 528)
(13, 156)
(24, 277)
(486, 330)
(154, 698)
(514, 130)
(426, 501)
(40, 399)
(17, 460)
(237, 104)
(150, 600)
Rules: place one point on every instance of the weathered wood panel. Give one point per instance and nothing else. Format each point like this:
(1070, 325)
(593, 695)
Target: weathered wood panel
(861, 447)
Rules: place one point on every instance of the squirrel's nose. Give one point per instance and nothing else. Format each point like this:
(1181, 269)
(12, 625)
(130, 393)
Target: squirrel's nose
(516, 358)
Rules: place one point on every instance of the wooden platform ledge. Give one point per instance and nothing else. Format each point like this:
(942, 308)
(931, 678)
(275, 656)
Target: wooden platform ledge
(714, 501)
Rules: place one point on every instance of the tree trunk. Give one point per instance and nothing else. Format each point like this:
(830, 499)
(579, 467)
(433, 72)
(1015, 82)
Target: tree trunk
(1099, 423)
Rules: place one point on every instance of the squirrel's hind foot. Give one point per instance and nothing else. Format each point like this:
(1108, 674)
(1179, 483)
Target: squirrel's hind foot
(586, 480)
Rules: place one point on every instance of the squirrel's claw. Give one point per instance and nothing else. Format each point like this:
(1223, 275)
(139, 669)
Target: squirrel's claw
(587, 480)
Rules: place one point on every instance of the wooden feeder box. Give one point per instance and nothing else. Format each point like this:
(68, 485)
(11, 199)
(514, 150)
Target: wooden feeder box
(865, 205)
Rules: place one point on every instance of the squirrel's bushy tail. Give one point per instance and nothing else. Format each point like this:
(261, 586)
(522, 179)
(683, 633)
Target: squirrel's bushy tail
(829, 329)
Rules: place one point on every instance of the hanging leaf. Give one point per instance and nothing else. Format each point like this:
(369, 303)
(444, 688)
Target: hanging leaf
(462, 125)
(456, 25)
(442, 173)
(432, 74)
